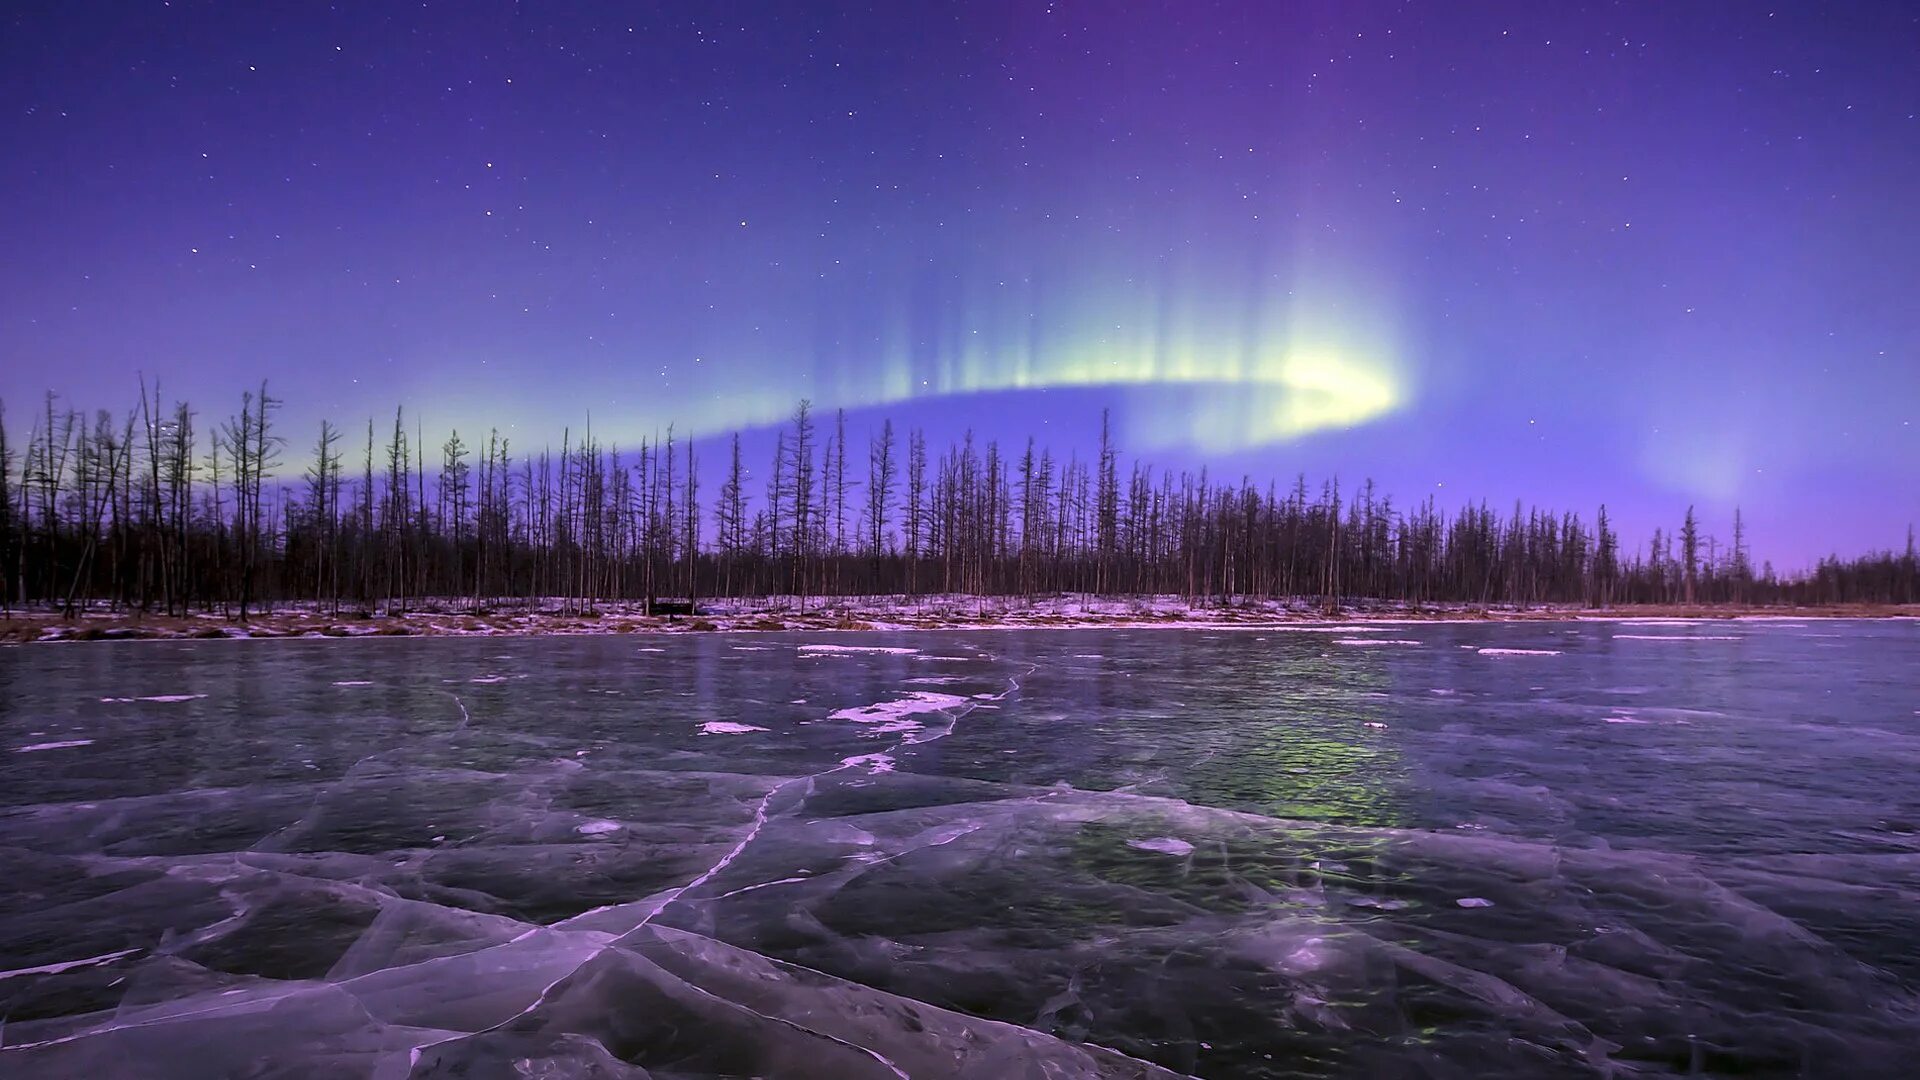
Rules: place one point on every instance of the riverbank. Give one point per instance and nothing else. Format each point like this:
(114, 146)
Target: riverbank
(558, 617)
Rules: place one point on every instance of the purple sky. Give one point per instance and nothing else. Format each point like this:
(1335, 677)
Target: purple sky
(1646, 254)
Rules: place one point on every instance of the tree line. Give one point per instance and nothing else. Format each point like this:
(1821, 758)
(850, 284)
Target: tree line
(158, 511)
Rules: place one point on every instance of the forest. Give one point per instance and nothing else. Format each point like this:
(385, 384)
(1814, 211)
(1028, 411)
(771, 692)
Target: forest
(159, 511)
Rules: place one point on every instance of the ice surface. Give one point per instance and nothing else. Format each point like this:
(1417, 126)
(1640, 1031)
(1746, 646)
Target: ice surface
(1676, 637)
(1218, 867)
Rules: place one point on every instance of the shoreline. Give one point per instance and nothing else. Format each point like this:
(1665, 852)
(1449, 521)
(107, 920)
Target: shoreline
(866, 614)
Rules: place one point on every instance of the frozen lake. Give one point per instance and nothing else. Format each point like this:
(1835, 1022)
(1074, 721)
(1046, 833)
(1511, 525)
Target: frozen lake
(1474, 850)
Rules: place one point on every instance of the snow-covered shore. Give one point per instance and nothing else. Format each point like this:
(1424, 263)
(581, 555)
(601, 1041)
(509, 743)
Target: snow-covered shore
(557, 616)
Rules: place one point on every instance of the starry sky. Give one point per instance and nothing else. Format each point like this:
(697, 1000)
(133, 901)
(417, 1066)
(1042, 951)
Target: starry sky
(1648, 254)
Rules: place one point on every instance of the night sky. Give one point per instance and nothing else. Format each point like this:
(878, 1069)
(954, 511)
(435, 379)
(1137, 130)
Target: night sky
(1647, 254)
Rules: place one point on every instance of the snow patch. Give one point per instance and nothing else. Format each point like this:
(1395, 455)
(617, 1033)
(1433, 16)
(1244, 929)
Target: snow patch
(163, 698)
(1376, 903)
(597, 828)
(1372, 641)
(1474, 902)
(888, 717)
(727, 727)
(828, 650)
(353, 682)
(68, 965)
(1165, 845)
(64, 744)
(1519, 652)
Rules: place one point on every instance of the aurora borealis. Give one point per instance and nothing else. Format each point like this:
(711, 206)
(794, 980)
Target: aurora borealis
(1652, 255)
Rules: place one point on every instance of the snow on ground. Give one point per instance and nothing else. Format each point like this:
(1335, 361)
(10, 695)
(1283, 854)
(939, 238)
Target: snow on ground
(727, 727)
(832, 650)
(162, 698)
(64, 744)
(1519, 652)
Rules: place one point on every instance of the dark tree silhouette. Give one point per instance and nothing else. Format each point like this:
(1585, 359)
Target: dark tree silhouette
(142, 514)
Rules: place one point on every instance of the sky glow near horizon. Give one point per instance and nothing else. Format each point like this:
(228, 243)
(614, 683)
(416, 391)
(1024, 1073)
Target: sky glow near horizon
(1650, 256)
